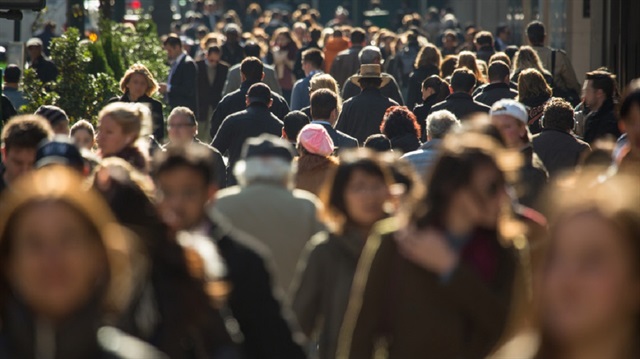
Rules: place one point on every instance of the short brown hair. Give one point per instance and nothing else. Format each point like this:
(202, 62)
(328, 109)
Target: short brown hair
(428, 55)
(323, 102)
(252, 69)
(484, 38)
(138, 68)
(313, 56)
(602, 80)
(558, 115)
(25, 131)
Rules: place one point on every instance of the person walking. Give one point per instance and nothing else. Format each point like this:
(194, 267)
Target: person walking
(371, 55)
(181, 86)
(361, 115)
(434, 90)
(45, 68)
(315, 161)
(210, 88)
(427, 64)
(599, 90)
(312, 60)
(234, 76)
(460, 102)
(324, 111)
(535, 93)
(499, 86)
(346, 63)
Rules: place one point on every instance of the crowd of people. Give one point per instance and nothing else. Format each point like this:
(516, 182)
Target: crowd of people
(326, 192)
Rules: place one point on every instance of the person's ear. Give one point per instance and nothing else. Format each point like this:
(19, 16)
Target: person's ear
(284, 135)
(262, 77)
(506, 79)
(270, 103)
(212, 190)
(3, 150)
(242, 77)
(247, 101)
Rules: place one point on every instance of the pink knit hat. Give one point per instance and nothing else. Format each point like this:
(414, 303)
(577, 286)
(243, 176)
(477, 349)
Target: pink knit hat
(315, 139)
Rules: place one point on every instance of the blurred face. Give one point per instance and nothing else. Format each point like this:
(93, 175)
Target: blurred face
(449, 42)
(172, 51)
(482, 200)
(282, 40)
(181, 129)
(511, 129)
(56, 261)
(83, 139)
(61, 128)
(632, 128)
(111, 139)
(17, 161)
(592, 98)
(137, 86)
(213, 59)
(589, 284)
(426, 92)
(34, 52)
(182, 196)
(365, 196)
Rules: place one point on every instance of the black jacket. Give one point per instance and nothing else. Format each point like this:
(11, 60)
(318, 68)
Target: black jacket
(485, 53)
(157, 115)
(422, 111)
(495, 92)
(183, 85)
(265, 326)
(414, 94)
(405, 143)
(558, 150)
(236, 101)
(45, 69)
(237, 128)
(340, 140)
(209, 94)
(601, 123)
(7, 110)
(460, 104)
(361, 116)
(533, 178)
(535, 109)
(390, 90)
(232, 53)
(297, 68)
(220, 169)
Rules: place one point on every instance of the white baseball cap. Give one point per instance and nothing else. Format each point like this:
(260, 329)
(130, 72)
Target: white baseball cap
(511, 108)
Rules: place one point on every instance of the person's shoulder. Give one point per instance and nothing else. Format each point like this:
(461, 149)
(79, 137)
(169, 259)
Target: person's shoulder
(236, 67)
(299, 83)
(439, 106)
(306, 197)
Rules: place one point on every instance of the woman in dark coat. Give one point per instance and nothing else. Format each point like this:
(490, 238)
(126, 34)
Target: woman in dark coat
(434, 90)
(401, 128)
(533, 92)
(68, 270)
(427, 64)
(138, 85)
(438, 283)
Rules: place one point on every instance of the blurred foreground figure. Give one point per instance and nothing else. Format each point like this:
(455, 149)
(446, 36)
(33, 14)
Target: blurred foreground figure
(437, 281)
(68, 270)
(356, 199)
(186, 183)
(588, 285)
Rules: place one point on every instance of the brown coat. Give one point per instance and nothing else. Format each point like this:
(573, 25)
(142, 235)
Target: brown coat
(419, 314)
(313, 171)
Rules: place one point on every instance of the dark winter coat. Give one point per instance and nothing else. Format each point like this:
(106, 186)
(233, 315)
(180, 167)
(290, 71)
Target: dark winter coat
(421, 112)
(405, 143)
(460, 104)
(340, 139)
(237, 128)
(237, 101)
(535, 109)
(184, 89)
(601, 123)
(558, 150)
(495, 92)
(209, 94)
(361, 115)
(390, 90)
(414, 94)
(533, 178)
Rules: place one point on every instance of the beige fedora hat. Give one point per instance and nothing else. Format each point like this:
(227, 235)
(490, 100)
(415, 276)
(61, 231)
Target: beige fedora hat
(372, 71)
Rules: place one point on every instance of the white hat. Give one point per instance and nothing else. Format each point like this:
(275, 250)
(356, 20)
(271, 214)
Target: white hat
(511, 108)
(34, 41)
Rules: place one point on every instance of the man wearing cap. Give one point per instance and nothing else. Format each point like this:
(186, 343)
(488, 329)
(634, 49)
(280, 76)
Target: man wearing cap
(460, 102)
(45, 68)
(57, 118)
(266, 206)
(252, 122)
(182, 128)
(252, 71)
(20, 140)
(181, 86)
(361, 115)
(510, 118)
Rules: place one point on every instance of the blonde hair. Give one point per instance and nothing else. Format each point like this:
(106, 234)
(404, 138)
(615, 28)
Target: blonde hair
(325, 81)
(138, 68)
(527, 58)
(133, 118)
(468, 59)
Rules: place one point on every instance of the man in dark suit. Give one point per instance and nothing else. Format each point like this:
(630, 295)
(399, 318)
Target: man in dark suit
(324, 111)
(499, 86)
(252, 122)
(213, 75)
(180, 89)
(460, 102)
(252, 72)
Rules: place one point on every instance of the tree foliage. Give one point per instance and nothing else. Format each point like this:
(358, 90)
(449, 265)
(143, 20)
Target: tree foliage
(89, 72)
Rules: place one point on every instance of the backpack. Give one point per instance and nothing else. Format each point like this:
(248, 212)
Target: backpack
(568, 94)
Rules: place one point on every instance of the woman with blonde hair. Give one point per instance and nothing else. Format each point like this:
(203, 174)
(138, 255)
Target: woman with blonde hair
(323, 81)
(468, 59)
(122, 132)
(527, 58)
(138, 85)
(533, 92)
(427, 64)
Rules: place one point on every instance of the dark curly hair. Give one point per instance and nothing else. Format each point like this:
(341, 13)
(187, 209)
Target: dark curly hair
(558, 115)
(398, 121)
